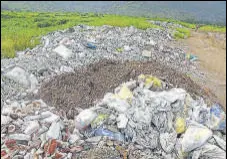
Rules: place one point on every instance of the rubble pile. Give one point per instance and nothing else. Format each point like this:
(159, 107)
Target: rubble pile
(76, 47)
(139, 119)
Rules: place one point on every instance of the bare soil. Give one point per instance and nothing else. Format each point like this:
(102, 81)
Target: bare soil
(82, 88)
(211, 51)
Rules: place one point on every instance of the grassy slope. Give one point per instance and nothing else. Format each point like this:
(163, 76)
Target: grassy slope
(21, 30)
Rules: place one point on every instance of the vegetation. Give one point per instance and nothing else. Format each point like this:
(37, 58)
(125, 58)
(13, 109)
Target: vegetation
(182, 33)
(21, 30)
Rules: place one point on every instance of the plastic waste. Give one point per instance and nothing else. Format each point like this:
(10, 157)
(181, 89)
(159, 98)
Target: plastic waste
(99, 120)
(125, 93)
(113, 102)
(113, 136)
(195, 136)
(201, 114)
(84, 119)
(73, 138)
(180, 125)
(5, 120)
(220, 142)
(148, 80)
(51, 117)
(119, 49)
(122, 121)
(54, 131)
(32, 127)
(209, 151)
(91, 46)
(63, 51)
(217, 118)
(168, 141)
(191, 57)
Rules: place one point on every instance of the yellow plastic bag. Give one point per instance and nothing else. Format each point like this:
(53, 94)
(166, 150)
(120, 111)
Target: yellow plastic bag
(125, 93)
(148, 79)
(180, 125)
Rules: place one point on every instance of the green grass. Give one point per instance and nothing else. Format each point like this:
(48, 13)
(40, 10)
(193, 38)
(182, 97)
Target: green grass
(213, 28)
(18, 29)
(21, 30)
(182, 33)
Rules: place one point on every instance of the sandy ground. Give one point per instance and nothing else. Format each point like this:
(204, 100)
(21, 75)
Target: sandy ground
(211, 51)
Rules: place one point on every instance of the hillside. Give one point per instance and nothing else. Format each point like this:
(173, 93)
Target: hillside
(203, 12)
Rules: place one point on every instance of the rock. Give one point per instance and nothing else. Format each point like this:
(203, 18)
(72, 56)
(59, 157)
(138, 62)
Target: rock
(63, 51)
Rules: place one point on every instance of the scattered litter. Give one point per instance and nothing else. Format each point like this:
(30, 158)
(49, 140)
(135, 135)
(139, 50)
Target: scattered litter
(195, 136)
(63, 51)
(91, 46)
(84, 119)
(133, 122)
(191, 57)
(217, 118)
(180, 125)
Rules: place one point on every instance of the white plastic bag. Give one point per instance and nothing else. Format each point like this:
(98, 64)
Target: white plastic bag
(195, 136)
(209, 151)
(85, 118)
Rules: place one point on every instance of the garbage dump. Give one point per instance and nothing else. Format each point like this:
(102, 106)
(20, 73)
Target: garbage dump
(65, 50)
(139, 119)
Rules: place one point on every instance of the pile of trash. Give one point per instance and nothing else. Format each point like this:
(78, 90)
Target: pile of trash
(76, 47)
(138, 120)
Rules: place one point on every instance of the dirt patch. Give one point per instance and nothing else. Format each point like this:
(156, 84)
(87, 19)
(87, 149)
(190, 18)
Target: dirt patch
(83, 88)
(211, 50)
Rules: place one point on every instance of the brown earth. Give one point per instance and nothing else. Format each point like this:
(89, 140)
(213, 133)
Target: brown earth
(83, 88)
(211, 51)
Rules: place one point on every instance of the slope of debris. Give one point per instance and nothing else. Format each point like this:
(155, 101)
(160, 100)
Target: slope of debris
(85, 86)
(140, 119)
(63, 51)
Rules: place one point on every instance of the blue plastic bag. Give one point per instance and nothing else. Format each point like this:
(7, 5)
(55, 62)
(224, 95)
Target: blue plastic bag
(217, 118)
(91, 46)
